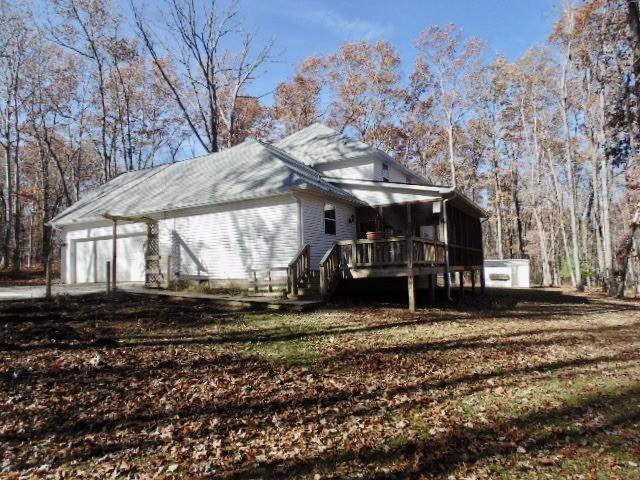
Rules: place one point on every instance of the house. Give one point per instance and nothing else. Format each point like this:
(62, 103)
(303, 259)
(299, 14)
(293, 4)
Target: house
(295, 211)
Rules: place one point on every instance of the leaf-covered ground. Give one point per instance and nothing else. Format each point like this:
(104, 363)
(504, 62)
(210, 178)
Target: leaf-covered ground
(513, 385)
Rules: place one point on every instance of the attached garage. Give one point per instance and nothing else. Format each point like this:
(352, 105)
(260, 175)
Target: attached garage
(89, 257)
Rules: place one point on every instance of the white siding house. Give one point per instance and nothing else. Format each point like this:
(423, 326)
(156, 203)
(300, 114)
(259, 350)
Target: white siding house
(249, 208)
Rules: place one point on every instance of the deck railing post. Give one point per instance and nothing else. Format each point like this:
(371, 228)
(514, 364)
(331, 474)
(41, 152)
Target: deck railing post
(354, 254)
(294, 281)
(323, 282)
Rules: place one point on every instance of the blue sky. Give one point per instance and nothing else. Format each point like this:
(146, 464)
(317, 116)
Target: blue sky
(305, 27)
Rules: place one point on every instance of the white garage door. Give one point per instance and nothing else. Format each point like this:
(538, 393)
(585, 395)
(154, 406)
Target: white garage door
(92, 256)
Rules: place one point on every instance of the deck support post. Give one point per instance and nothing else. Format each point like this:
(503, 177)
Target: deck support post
(482, 280)
(447, 275)
(461, 277)
(433, 278)
(473, 280)
(411, 280)
(411, 286)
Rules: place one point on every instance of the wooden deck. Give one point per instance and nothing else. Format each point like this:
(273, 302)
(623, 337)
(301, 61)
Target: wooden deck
(403, 256)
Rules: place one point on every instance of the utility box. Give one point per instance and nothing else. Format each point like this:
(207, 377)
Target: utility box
(511, 273)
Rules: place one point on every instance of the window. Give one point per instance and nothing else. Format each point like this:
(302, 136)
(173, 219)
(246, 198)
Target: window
(329, 219)
(385, 172)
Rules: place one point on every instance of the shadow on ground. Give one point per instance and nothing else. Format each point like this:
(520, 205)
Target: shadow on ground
(129, 383)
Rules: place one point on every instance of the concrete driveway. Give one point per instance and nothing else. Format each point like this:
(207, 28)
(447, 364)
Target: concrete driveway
(38, 291)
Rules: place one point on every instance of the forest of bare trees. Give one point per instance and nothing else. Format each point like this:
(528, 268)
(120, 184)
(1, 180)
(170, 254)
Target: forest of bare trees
(546, 142)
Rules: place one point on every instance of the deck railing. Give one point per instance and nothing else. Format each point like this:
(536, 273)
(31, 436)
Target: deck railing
(407, 252)
(392, 251)
(330, 267)
(298, 268)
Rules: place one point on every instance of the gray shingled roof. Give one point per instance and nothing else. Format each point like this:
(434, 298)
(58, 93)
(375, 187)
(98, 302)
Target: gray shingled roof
(318, 144)
(250, 170)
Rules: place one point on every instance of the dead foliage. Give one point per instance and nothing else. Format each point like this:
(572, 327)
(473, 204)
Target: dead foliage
(519, 385)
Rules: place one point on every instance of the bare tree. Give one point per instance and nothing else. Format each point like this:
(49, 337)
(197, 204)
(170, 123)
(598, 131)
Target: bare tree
(205, 78)
(451, 60)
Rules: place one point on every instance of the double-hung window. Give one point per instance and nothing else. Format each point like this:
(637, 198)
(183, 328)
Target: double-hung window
(329, 219)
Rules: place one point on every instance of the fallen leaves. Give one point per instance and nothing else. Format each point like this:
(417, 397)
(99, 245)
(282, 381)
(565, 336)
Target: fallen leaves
(384, 392)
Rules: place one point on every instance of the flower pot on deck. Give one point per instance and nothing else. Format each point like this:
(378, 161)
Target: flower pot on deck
(375, 235)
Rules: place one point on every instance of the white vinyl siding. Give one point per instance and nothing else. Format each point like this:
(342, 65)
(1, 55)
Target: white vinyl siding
(395, 174)
(313, 225)
(226, 242)
(364, 168)
(218, 242)
(352, 169)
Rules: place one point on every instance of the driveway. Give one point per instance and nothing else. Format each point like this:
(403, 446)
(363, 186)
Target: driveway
(38, 291)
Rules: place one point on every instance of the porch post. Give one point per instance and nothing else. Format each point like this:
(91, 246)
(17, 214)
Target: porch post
(461, 274)
(411, 284)
(447, 276)
(473, 280)
(114, 256)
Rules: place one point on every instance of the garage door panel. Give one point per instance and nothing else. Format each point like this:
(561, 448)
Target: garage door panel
(92, 257)
(85, 262)
(131, 259)
(103, 255)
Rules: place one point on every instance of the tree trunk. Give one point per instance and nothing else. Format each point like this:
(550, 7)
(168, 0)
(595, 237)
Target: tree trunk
(544, 254)
(563, 230)
(573, 218)
(8, 195)
(452, 161)
(625, 251)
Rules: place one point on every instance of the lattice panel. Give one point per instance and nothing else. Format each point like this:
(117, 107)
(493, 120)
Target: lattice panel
(153, 273)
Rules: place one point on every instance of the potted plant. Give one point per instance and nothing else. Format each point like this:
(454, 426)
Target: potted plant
(375, 235)
(378, 233)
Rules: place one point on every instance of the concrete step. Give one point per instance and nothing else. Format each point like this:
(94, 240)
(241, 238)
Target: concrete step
(265, 293)
(306, 297)
(309, 289)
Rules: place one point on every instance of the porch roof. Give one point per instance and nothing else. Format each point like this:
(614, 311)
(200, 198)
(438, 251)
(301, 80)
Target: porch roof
(380, 194)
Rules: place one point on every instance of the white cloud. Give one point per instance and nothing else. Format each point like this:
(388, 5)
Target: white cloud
(352, 28)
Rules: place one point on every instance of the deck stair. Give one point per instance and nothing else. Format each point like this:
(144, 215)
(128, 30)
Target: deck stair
(295, 281)
(309, 286)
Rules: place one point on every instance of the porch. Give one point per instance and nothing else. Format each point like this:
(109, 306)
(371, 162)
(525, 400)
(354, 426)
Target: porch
(442, 244)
